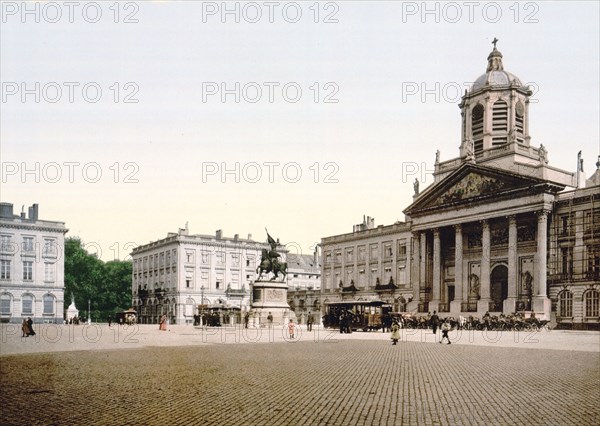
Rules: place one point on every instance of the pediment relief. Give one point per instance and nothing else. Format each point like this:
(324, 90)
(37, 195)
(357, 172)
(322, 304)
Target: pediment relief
(471, 186)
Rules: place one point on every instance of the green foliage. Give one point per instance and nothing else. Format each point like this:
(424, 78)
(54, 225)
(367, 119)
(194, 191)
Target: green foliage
(107, 285)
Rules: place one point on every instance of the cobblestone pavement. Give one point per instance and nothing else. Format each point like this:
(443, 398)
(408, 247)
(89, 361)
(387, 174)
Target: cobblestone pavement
(356, 380)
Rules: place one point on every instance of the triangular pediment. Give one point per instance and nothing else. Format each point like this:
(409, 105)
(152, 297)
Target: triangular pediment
(472, 183)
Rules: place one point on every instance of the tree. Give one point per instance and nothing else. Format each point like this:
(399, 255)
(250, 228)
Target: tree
(106, 285)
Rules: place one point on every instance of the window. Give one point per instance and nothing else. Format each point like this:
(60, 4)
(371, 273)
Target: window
(374, 252)
(218, 285)
(48, 304)
(6, 244)
(27, 304)
(567, 260)
(499, 119)
(389, 252)
(189, 256)
(27, 271)
(5, 269)
(565, 304)
(27, 243)
(402, 248)
(187, 283)
(247, 262)
(477, 127)
(49, 272)
(220, 257)
(235, 258)
(592, 303)
(338, 257)
(362, 253)
(350, 255)
(49, 247)
(5, 304)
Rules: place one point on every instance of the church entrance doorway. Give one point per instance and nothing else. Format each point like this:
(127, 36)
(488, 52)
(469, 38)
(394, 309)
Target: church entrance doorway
(498, 287)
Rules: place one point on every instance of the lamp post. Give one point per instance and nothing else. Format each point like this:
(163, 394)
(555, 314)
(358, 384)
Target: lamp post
(201, 305)
(89, 312)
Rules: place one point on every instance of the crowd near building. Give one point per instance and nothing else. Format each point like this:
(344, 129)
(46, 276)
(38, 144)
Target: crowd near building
(184, 276)
(500, 230)
(31, 266)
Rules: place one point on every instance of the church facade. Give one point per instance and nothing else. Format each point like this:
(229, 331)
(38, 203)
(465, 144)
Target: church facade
(500, 230)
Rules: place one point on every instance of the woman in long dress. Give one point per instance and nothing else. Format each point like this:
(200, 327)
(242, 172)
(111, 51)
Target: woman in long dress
(163, 323)
(395, 332)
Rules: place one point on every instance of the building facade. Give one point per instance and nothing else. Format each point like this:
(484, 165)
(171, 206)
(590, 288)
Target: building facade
(185, 275)
(500, 230)
(304, 286)
(32, 268)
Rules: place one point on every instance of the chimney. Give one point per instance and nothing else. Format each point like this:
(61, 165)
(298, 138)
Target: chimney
(219, 234)
(33, 212)
(6, 210)
(23, 211)
(249, 236)
(236, 237)
(316, 256)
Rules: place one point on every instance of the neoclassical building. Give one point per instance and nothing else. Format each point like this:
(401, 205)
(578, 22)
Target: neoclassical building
(32, 268)
(500, 230)
(304, 285)
(182, 273)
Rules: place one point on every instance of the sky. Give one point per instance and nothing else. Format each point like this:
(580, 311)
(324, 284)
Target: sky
(128, 120)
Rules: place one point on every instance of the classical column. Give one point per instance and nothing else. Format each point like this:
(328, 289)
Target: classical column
(415, 278)
(510, 303)
(423, 264)
(456, 304)
(437, 273)
(483, 305)
(541, 303)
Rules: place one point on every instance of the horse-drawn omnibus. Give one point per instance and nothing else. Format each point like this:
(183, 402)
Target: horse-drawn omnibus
(358, 315)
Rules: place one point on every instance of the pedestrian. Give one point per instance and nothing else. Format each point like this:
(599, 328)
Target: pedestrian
(434, 322)
(109, 320)
(246, 319)
(30, 325)
(445, 329)
(25, 328)
(309, 322)
(163, 323)
(291, 328)
(270, 320)
(395, 332)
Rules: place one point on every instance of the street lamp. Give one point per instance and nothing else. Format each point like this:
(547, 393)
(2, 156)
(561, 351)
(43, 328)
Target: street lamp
(201, 305)
(89, 313)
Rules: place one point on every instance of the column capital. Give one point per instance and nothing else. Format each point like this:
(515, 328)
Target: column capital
(485, 223)
(542, 214)
(436, 231)
(512, 218)
(458, 227)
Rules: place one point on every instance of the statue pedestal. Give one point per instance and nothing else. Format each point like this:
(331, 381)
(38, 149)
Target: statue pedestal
(269, 296)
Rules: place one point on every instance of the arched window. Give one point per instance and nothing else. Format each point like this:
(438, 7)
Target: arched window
(565, 304)
(27, 304)
(591, 300)
(5, 304)
(48, 304)
(477, 127)
(499, 122)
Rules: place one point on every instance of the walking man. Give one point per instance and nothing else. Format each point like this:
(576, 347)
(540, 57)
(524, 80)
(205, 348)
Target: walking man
(309, 322)
(434, 322)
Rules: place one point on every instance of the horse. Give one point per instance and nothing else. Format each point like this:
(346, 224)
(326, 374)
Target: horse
(267, 265)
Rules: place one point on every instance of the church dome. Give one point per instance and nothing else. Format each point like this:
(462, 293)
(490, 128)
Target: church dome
(495, 75)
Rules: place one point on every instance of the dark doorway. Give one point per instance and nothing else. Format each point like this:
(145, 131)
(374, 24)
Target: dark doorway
(450, 293)
(498, 287)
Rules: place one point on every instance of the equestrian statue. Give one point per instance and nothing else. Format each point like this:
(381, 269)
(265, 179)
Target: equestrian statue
(269, 261)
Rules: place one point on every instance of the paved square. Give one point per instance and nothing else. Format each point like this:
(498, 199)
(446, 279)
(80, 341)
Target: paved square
(351, 381)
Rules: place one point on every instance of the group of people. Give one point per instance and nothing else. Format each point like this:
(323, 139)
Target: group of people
(27, 327)
(434, 322)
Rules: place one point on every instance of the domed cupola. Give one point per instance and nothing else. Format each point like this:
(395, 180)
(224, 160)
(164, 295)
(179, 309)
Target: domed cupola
(495, 76)
(494, 111)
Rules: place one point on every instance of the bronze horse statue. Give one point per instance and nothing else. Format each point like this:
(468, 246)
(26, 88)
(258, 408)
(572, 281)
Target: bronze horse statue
(271, 264)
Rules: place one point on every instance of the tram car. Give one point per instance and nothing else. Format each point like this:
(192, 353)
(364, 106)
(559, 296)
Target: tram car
(358, 315)
(128, 317)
